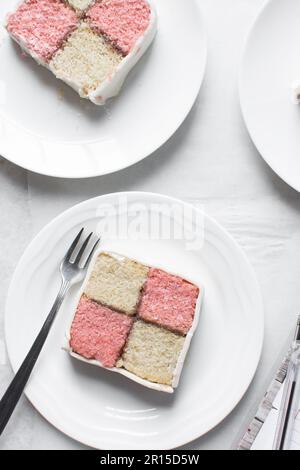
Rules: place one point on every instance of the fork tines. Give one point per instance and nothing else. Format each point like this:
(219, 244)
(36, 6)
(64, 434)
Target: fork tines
(81, 250)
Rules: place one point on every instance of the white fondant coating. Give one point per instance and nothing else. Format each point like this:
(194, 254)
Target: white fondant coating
(130, 375)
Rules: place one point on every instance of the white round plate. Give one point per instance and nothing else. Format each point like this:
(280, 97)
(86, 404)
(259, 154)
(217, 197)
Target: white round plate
(270, 65)
(105, 410)
(46, 128)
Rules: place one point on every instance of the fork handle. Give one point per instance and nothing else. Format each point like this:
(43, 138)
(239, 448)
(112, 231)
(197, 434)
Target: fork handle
(15, 389)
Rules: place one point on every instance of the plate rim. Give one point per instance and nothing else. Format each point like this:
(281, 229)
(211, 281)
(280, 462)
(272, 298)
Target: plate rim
(263, 155)
(257, 356)
(154, 148)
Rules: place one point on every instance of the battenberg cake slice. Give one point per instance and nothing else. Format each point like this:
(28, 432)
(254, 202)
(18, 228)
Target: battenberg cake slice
(89, 44)
(135, 320)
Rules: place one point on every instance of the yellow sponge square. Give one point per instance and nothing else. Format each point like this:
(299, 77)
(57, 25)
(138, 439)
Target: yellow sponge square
(152, 353)
(86, 60)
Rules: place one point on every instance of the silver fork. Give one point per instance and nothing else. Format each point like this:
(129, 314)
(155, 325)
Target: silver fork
(72, 272)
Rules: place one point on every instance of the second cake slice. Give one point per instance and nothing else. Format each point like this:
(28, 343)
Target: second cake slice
(135, 320)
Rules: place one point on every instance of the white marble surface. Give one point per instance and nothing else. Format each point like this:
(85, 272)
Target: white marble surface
(210, 159)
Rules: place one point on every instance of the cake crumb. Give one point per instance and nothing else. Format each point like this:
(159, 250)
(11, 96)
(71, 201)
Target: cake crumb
(61, 93)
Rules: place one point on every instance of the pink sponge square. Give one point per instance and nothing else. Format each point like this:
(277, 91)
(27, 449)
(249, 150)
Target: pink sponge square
(121, 21)
(168, 301)
(99, 333)
(42, 26)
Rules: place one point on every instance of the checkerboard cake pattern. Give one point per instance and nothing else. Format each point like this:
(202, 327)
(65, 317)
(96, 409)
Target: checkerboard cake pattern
(134, 317)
